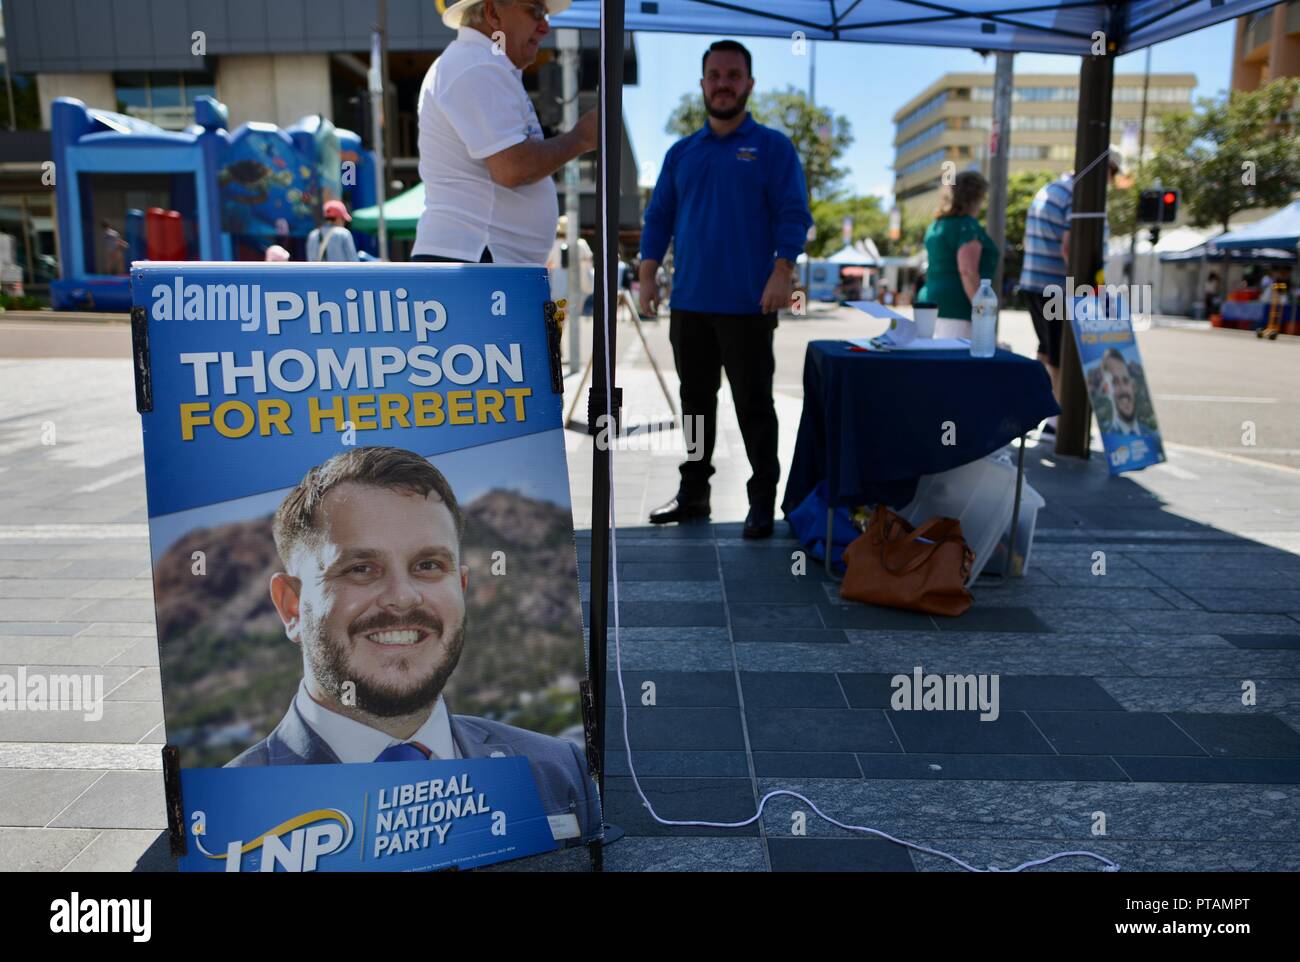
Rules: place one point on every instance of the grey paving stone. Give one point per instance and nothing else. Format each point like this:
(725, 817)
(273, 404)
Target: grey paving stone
(650, 655)
(125, 722)
(791, 689)
(806, 765)
(1260, 599)
(1227, 663)
(141, 653)
(65, 629)
(660, 591)
(966, 733)
(686, 855)
(775, 616)
(677, 689)
(1099, 597)
(36, 755)
(1002, 767)
(838, 855)
(1219, 771)
(115, 611)
(1145, 856)
(993, 619)
(41, 849)
(653, 571)
(118, 800)
(1256, 736)
(790, 591)
(124, 850)
(1222, 695)
(1103, 643)
(1113, 733)
(960, 656)
(144, 684)
(655, 614)
(726, 800)
(818, 730)
(123, 629)
(1053, 811)
(680, 729)
(859, 616)
(682, 764)
(1263, 641)
(62, 651)
(1121, 572)
(34, 797)
(801, 636)
(118, 588)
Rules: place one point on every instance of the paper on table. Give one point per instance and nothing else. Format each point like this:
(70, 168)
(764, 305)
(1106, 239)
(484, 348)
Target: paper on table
(920, 344)
(876, 309)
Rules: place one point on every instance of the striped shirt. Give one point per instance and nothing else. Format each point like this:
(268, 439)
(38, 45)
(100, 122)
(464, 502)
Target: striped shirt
(1045, 226)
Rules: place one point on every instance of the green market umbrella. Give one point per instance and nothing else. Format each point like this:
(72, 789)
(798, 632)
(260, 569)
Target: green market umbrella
(401, 215)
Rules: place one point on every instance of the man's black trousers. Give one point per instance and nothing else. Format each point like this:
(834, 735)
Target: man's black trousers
(704, 345)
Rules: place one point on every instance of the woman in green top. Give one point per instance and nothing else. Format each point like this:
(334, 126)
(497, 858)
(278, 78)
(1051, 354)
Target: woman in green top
(960, 250)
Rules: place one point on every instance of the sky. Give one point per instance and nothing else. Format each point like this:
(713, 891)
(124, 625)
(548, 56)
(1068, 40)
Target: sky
(867, 83)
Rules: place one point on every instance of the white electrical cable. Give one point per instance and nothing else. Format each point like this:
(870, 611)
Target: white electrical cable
(1109, 866)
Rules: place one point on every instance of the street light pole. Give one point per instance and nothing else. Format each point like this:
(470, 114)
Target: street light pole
(376, 84)
(567, 41)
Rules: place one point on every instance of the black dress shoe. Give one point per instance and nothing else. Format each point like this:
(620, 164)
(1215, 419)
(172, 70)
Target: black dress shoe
(758, 524)
(680, 509)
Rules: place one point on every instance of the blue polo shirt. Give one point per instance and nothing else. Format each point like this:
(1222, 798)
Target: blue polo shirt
(731, 205)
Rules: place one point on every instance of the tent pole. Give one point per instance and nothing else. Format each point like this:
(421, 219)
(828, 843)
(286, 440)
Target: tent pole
(603, 393)
(1092, 137)
(1002, 89)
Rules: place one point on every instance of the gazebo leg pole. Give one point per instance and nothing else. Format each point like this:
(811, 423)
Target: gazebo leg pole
(1096, 80)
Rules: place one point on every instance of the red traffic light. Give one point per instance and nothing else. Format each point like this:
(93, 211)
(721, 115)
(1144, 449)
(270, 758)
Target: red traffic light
(1170, 197)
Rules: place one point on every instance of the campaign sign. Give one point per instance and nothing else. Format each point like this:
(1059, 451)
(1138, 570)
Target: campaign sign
(362, 544)
(1117, 383)
(407, 816)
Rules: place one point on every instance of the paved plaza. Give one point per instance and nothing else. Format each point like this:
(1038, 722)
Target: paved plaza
(1150, 714)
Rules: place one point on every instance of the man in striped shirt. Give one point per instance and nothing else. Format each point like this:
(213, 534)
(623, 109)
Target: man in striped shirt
(1047, 261)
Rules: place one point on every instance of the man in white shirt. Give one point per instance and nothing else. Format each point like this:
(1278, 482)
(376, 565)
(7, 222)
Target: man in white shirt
(484, 161)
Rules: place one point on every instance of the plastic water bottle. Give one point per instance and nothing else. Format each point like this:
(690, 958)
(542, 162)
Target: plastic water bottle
(984, 320)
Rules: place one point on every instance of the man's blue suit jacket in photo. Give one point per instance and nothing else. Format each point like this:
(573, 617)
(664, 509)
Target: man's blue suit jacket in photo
(558, 766)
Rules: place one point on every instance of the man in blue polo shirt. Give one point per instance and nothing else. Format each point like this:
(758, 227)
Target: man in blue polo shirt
(731, 198)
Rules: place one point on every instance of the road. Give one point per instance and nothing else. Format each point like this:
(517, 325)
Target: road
(1211, 386)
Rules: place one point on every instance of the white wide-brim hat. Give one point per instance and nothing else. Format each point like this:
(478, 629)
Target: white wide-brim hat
(452, 15)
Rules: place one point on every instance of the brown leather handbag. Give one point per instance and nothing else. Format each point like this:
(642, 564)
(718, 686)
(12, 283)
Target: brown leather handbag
(922, 569)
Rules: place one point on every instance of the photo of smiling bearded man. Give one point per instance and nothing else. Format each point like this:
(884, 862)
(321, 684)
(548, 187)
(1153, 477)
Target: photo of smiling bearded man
(373, 589)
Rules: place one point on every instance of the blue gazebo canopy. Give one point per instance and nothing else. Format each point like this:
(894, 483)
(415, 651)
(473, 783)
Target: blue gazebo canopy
(1029, 26)
(1276, 230)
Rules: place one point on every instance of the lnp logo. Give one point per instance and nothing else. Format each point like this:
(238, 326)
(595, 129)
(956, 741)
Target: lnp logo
(747, 153)
(312, 835)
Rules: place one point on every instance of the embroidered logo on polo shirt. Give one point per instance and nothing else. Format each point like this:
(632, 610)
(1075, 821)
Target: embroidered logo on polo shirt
(747, 153)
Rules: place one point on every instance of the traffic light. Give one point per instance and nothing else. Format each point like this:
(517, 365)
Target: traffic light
(1169, 206)
(1157, 205)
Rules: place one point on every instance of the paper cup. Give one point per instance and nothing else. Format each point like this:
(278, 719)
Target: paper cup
(925, 314)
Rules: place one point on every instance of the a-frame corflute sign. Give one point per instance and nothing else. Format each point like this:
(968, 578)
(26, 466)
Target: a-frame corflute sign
(369, 627)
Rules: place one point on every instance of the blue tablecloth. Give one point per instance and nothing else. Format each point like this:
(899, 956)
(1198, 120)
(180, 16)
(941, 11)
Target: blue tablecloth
(873, 424)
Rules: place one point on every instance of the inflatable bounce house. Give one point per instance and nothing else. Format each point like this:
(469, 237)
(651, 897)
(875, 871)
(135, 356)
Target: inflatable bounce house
(128, 190)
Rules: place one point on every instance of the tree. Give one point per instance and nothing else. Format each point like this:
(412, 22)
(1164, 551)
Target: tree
(1230, 154)
(819, 136)
(1021, 188)
(869, 220)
